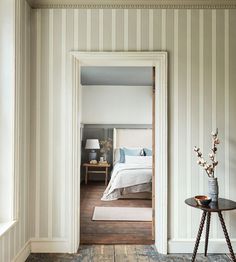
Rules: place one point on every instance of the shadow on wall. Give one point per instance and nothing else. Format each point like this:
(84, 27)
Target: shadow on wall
(95, 133)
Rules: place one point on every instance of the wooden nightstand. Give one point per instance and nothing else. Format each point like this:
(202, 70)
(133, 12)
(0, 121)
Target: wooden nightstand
(103, 170)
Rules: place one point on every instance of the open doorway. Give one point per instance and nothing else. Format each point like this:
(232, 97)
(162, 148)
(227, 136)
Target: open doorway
(157, 60)
(117, 203)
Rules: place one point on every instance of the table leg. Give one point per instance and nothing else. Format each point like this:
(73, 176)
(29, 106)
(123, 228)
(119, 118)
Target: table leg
(199, 235)
(86, 175)
(226, 236)
(207, 231)
(106, 176)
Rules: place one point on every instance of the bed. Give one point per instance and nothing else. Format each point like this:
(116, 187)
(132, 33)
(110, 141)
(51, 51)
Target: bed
(131, 176)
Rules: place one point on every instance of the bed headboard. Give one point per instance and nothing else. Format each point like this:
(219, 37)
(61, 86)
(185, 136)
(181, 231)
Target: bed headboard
(132, 137)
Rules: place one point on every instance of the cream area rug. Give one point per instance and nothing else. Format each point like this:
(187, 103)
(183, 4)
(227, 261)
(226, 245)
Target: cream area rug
(122, 214)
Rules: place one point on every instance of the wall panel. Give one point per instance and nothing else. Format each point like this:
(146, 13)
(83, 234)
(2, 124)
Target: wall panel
(202, 63)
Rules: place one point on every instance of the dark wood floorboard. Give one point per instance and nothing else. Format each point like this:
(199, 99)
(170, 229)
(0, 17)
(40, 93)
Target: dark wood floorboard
(110, 232)
(122, 253)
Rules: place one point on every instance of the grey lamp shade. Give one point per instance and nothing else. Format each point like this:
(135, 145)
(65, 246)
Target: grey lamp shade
(92, 144)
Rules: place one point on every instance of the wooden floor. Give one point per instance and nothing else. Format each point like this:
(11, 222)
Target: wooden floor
(122, 253)
(110, 232)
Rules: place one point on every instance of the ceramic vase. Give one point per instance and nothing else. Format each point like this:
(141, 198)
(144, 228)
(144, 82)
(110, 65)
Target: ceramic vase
(213, 188)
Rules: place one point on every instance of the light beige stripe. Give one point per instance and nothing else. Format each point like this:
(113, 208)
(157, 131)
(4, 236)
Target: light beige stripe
(176, 124)
(88, 30)
(163, 29)
(26, 73)
(18, 128)
(201, 93)
(100, 29)
(188, 111)
(213, 70)
(226, 142)
(3, 248)
(14, 240)
(113, 29)
(38, 136)
(138, 29)
(63, 125)
(76, 29)
(50, 124)
(150, 30)
(126, 30)
(213, 91)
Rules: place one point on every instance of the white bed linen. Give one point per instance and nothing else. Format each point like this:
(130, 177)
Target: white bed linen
(126, 175)
(146, 160)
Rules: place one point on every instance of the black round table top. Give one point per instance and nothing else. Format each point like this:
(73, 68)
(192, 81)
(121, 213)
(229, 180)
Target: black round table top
(222, 205)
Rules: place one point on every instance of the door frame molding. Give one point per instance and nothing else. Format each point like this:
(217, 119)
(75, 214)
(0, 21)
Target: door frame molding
(153, 59)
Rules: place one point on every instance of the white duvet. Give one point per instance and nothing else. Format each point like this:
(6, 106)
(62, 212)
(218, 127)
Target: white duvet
(126, 175)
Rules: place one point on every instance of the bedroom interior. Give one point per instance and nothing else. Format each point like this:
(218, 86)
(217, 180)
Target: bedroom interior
(116, 203)
(44, 44)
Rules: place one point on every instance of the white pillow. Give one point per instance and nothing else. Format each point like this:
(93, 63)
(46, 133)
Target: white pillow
(116, 157)
(146, 160)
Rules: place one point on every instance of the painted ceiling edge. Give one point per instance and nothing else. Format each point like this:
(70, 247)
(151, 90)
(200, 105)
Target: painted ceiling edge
(133, 4)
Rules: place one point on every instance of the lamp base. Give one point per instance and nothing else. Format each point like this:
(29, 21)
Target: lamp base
(92, 155)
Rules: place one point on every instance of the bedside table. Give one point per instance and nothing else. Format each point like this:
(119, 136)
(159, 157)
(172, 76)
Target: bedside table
(101, 169)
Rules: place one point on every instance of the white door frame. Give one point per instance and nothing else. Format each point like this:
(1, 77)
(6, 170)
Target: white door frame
(153, 59)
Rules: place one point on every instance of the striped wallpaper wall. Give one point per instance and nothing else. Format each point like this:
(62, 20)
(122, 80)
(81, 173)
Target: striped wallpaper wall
(16, 238)
(202, 94)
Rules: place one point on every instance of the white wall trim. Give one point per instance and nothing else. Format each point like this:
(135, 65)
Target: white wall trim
(134, 4)
(153, 59)
(42, 246)
(49, 246)
(23, 253)
(187, 245)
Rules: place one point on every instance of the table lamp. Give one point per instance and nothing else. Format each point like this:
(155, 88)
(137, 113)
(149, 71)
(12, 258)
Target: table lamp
(92, 144)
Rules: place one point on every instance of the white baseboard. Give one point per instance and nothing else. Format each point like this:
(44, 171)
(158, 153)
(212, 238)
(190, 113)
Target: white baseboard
(23, 254)
(49, 246)
(216, 246)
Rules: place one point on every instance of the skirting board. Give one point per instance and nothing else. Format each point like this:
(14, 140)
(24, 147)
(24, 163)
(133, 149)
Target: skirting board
(23, 254)
(49, 246)
(216, 246)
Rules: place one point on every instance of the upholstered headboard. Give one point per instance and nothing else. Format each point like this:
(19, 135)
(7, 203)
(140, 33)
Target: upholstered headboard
(132, 137)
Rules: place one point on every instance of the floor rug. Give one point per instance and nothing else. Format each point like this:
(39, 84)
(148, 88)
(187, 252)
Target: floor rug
(122, 214)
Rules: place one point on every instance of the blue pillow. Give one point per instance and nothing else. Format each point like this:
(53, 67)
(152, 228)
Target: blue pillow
(148, 152)
(122, 156)
(132, 152)
(128, 152)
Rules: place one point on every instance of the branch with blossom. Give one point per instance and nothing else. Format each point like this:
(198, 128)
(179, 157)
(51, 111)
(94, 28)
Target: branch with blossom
(106, 145)
(209, 168)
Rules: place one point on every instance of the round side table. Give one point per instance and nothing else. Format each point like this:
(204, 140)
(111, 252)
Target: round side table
(218, 207)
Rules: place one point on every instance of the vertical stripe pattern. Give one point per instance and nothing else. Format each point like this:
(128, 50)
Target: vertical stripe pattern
(50, 125)
(63, 125)
(126, 29)
(188, 110)
(113, 30)
(138, 30)
(163, 29)
(201, 91)
(227, 103)
(38, 86)
(176, 112)
(88, 30)
(180, 85)
(150, 30)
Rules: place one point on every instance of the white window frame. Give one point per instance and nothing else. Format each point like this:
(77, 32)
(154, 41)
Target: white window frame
(14, 201)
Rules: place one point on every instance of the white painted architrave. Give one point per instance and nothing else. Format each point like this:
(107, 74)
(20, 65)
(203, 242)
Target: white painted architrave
(154, 59)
